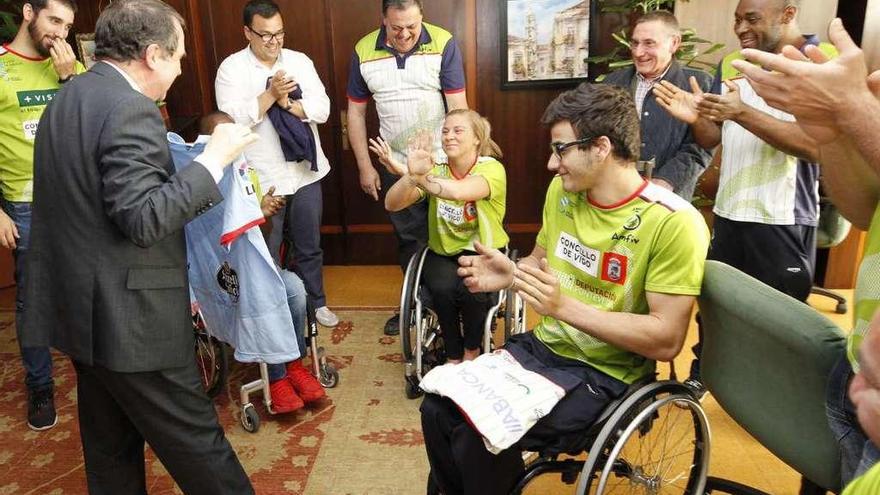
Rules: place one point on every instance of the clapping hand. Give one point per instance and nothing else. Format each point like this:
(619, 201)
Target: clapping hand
(679, 103)
(419, 159)
(382, 150)
(489, 271)
(539, 287)
(271, 204)
(280, 86)
(719, 108)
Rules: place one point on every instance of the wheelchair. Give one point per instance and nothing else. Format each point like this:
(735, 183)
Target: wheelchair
(654, 439)
(420, 335)
(212, 359)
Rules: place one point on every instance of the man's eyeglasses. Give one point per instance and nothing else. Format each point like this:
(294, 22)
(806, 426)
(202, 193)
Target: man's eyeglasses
(268, 37)
(559, 148)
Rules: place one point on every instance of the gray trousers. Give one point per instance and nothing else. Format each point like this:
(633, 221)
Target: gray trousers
(170, 411)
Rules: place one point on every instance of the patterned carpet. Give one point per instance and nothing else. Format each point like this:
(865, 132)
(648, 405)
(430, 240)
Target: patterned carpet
(365, 438)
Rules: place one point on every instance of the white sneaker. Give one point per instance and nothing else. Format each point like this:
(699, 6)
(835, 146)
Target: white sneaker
(326, 317)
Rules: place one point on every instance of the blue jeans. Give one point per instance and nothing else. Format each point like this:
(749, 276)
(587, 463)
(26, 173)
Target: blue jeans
(37, 360)
(857, 452)
(296, 302)
(300, 223)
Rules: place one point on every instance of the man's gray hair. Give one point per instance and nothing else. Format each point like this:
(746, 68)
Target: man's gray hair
(127, 27)
(401, 5)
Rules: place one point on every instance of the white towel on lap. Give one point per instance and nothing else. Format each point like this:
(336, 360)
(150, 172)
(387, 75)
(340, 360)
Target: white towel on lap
(500, 398)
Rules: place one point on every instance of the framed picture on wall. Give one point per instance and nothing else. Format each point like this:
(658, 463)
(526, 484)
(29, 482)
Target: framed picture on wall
(544, 43)
(85, 43)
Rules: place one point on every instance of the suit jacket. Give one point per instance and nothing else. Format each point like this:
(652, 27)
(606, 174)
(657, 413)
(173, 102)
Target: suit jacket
(678, 159)
(107, 279)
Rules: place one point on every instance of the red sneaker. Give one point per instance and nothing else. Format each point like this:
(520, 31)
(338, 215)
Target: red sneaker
(305, 384)
(284, 398)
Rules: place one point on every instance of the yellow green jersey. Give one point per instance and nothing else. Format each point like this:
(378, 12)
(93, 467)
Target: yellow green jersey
(27, 85)
(866, 484)
(867, 292)
(453, 226)
(610, 256)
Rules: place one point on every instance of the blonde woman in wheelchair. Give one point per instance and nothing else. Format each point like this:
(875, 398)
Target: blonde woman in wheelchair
(467, 200)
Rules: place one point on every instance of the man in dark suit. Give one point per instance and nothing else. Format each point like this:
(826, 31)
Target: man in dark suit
(679, 161)
(108, 262)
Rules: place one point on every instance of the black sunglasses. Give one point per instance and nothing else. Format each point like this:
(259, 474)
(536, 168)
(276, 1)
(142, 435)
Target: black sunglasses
(559, 148)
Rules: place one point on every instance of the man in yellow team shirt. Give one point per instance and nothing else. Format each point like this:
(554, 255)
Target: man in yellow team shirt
(32, 68)
(614, 273)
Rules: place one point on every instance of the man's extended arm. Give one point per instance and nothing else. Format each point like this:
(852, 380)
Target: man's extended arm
(851, 183)
(784, 136)
(142, 198)
(357, 137)
(859, 119)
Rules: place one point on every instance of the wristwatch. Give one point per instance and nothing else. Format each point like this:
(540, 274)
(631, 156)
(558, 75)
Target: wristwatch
(68, 78)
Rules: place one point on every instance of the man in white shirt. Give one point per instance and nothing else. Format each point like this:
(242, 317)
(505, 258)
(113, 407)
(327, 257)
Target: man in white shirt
(259, 86)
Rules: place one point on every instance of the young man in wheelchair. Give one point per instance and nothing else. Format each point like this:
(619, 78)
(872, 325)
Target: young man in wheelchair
(614, 273)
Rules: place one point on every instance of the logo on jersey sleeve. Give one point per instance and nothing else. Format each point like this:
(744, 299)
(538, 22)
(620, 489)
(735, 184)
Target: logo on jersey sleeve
(580, 256)
(614, 268)
(565, 206)
(633, 222)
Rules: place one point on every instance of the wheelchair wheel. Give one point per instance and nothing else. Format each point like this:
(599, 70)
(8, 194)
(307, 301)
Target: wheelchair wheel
(656, 443)
(212, 361)
(407, 308)
(250, 419)
(328, 376)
